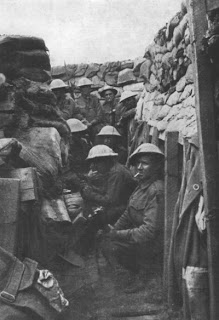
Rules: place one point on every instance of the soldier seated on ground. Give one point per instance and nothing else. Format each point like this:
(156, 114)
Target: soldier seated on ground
(65, 102)
(109, 136)
(73, 173)
(109, 186)
(135, 241)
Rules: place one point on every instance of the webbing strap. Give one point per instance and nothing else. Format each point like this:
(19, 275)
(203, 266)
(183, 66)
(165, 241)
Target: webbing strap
(9, 293)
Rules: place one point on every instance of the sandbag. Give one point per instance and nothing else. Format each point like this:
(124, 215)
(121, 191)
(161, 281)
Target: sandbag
(23, 43)
(111, 78)
(126, 76)
(137, 64)
(81, 68)
(173, 98)
(181, 84)
(34, 74)
(32, 59)
(163, 112)
(127, 64)
(145, 70)
(41, 149)
(92, 70)
(172, 25)
(189, 74)
(9, 214)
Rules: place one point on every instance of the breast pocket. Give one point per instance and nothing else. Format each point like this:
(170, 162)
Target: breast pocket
(137, 208)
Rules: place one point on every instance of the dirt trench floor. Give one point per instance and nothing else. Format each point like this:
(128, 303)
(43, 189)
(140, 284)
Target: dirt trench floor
(97, 294)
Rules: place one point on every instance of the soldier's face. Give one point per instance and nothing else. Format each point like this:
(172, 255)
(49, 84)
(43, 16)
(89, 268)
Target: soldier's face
(99, 165)
(129, 103)
(59, 92)
(108, 141)
(144, 168)
(85, 90)
(109, 96)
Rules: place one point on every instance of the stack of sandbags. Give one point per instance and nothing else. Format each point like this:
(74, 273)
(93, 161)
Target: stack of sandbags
(168, 101)
(24, 56)
(115, 73)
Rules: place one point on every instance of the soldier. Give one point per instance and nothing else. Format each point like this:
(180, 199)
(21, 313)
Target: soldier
(118, 181)
(135, 241)
(89, 110)
(128, 102)
(108, 190)
(79, 148)
(64, 101)
(109, 136)
(111, 108)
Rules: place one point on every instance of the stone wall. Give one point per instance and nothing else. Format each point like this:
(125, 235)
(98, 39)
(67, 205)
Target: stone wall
(163, 76)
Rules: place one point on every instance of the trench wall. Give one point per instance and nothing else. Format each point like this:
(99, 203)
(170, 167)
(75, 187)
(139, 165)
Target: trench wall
(163, 77)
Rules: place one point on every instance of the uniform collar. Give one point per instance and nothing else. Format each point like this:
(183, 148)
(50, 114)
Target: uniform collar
(144, 185)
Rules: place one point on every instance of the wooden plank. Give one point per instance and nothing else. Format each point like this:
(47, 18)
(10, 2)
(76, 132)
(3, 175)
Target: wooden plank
(171, 195)
(9, 213)
(28, 179)
(207, 140)
(212, 5)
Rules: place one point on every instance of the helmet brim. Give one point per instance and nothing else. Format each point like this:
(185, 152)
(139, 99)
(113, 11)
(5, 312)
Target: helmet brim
(134, 156)
(114, 155)
(102, 92)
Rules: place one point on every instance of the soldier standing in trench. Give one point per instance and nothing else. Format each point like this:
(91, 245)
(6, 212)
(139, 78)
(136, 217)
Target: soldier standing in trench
(111, 108)
(127, 113)
(65, 102)
(89, 110)
(135, 242)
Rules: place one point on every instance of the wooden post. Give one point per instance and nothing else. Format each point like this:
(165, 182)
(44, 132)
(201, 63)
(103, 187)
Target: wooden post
(208, 151)
(171, 194)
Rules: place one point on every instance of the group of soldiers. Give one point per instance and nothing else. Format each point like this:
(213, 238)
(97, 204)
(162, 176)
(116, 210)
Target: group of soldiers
(122, 199)
(91, 194)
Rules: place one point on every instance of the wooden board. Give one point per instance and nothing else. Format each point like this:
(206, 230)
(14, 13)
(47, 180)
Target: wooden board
(204, 101)
(171, 195)
(28, 179)
(9, 213)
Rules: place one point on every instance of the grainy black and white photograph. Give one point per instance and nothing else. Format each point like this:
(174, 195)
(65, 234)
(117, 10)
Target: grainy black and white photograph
(109, 164)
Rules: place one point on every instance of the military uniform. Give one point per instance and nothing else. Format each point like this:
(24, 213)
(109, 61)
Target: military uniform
(138, 235)
(118, 187)
(111, 113)
(77, 166)
(89, 108)
(66, 107)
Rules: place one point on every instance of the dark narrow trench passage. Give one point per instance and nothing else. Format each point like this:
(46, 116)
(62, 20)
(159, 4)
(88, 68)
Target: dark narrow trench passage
(96, 293)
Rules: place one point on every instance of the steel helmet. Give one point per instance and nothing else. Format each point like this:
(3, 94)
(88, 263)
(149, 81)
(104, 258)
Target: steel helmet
(127, 94)
(100, 151)
(76, 125)
(109, 131)
(145, 148)
(84, 82)
(57, 84)
(105, 88)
